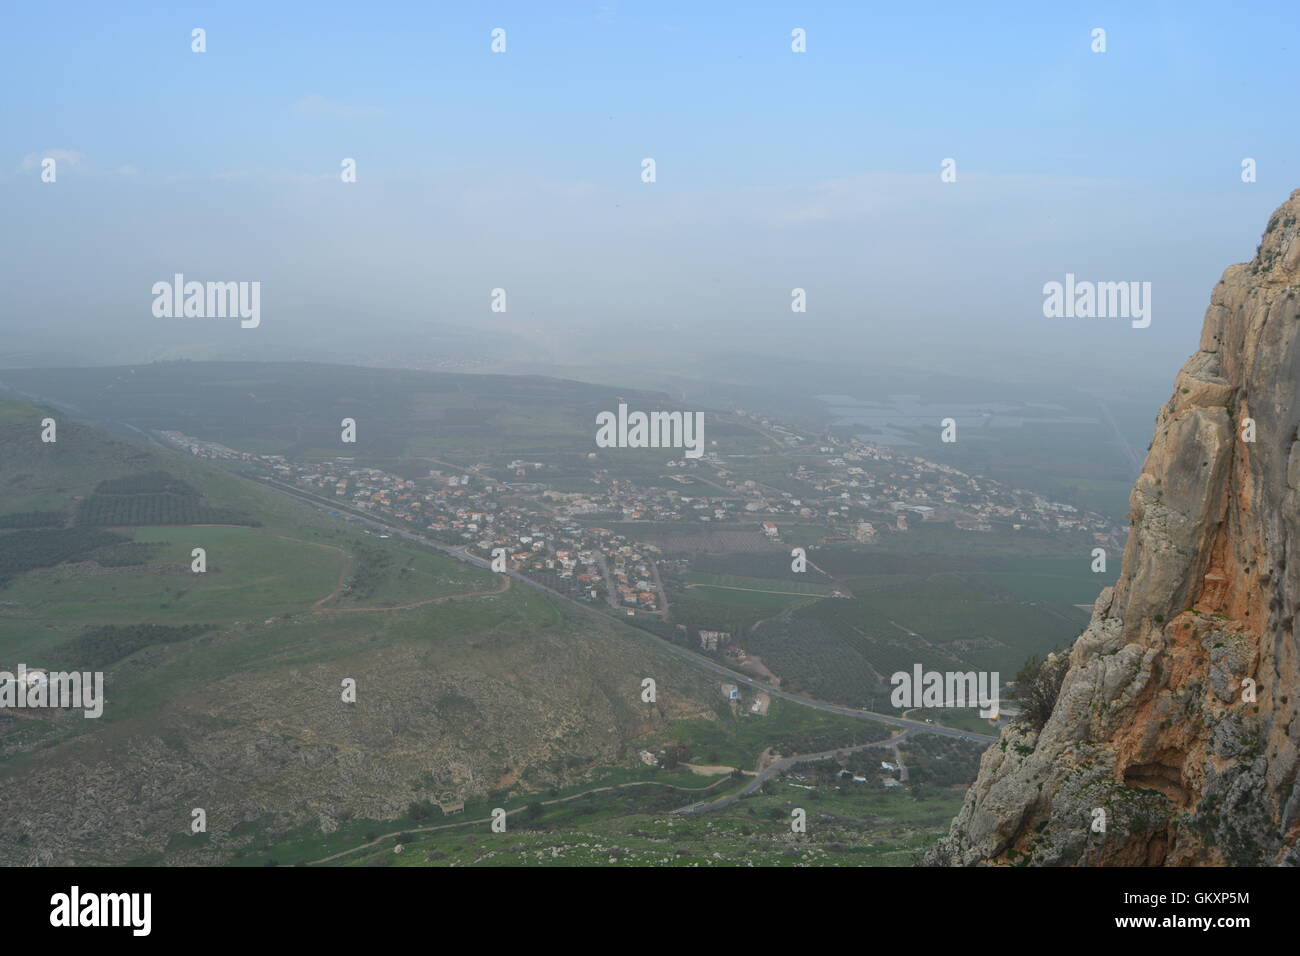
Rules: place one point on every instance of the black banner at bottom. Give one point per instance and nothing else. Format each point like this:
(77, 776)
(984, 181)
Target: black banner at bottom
(215, 905)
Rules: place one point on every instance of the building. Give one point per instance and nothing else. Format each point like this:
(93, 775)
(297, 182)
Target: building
(709, 640)
(449, 803)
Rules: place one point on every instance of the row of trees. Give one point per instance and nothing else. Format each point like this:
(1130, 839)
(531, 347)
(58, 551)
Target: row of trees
(26, 550)
(151, 498)
(98, 647)
(146, 483)
(372, 562)
(121, 510)
(32, 519)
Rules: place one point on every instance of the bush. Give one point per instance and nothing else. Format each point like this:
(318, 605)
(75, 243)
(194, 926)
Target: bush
(1038, 684)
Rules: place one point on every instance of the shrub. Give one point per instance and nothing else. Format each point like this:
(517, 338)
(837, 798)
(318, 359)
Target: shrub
(1038, 684)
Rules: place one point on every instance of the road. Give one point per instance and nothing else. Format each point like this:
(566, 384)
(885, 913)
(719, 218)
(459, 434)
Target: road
(785, 763)
(509, 813)
(677, 650)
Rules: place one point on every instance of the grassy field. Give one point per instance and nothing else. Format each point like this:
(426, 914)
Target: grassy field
(390, 573)
(250, 575)
(749, 593)
(758, 599)
(953, 618)
(737, 582)
(960, 718)
(845, 650)
(1054, 580)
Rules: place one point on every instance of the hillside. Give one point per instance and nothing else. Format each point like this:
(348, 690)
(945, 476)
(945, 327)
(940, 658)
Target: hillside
(223, 688)
(294, 408)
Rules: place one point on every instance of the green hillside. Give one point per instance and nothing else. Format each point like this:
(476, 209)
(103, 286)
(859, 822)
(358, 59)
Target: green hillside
(223, 688)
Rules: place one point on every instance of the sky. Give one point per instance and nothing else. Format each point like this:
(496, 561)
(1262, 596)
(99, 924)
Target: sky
(522, 170)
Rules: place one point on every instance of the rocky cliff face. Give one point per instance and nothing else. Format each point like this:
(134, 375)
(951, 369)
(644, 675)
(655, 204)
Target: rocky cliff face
(1177, 716)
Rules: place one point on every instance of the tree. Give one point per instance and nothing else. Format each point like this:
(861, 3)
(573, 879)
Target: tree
(1038, 684)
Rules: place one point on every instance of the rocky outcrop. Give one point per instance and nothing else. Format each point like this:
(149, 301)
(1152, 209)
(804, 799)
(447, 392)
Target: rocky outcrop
(1176, 720)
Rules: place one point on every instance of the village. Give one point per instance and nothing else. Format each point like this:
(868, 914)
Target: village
(586, 543)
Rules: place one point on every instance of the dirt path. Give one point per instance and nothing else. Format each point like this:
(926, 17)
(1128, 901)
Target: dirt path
(732, 587)
(481, 820)
(343, 576)
(898, 762)
(502, 587)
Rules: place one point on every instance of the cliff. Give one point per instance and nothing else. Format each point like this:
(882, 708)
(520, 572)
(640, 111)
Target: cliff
(1154, 724)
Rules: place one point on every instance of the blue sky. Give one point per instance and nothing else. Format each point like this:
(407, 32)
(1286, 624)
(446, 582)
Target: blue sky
(1182, 92)
(484, 169)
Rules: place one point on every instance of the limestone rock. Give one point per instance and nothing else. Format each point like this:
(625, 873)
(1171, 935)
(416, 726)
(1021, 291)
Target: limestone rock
(1154, 725)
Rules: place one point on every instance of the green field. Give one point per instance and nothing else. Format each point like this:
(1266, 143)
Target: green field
(1054, 580)
(251, 575)
(947, 616)
(762, 600)
(737, 582)
(961, 718)
(845, 650)
(392, 573)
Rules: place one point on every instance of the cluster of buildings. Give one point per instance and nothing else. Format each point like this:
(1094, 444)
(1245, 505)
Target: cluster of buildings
(862, 491)
(210, 449)
(846, 490)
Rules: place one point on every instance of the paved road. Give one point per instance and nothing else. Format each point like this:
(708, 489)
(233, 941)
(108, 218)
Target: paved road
(675, 649)
(785, 763)
(739, 678)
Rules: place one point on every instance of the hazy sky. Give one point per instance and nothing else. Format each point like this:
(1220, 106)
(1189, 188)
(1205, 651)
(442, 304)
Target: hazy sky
(522, 170)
